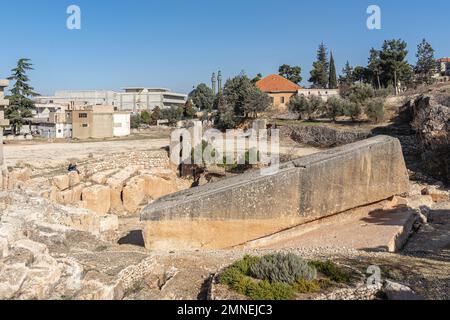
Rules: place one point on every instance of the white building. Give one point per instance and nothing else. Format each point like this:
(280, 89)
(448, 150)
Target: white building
(133, 99)
(121, 124)
(325, 94)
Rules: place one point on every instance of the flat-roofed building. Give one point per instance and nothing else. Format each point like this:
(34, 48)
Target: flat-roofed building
(131, 99)
(135, 99)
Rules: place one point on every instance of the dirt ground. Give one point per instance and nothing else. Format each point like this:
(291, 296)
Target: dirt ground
(45, 154)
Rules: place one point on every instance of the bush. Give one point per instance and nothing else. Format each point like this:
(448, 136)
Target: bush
(284, 268)
(306, 286)
(375, 110)
(237, 278)
(359, 93)
(173, 114)
(334, 108)
(332, 271)
(352, 109)
(300, 105)
(265, 290)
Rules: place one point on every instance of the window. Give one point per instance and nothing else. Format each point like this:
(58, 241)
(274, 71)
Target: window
(59, 130)
(272, 100)
(282, 99)
(82, 115)
(118, 125)
(85, 125)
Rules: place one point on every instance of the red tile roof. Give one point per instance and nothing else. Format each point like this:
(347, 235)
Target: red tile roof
(276, 83)
(447, 60)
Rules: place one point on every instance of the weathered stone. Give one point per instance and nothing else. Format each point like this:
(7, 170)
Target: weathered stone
(108, 223)
(431, 120)
(10, 232)
(35, 248)
(156, 187)
(4, 248)
(11, 279)
(66, 197)
(40, 283)
(236, 210)
(116, 183)
(18, 176)
(74, 178)
(62, 182)
(397, 291)
(134, 194)
(97, 198)
(77, 193)
(102, 177)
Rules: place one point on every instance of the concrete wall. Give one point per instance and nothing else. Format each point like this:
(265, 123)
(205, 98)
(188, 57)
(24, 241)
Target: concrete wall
(122, 124)
(102, 125)
(323, 93)
(250, 206)
(81, 125)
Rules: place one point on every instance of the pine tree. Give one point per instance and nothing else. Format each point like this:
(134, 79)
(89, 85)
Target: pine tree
(395, 68)
(347, 75)
(425, 66)
(319, 74)
(374, 66)
(21, 103)
(332, 82)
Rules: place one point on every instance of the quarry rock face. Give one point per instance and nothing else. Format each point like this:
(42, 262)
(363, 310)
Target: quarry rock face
(431, 121)
(236, 210)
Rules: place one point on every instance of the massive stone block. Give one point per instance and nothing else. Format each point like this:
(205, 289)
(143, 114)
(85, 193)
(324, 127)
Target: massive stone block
(236, 210)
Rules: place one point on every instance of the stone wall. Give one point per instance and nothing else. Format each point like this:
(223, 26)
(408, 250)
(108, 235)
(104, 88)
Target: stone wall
(250, 206)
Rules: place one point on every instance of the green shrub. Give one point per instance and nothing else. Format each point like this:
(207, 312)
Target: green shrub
(238, 270)
(264, 290)
(332, 271)
(352, 109)
(284, 268)
(306, 286)
(244, 265)
(334, 107)
(375, 110)
(236, 277)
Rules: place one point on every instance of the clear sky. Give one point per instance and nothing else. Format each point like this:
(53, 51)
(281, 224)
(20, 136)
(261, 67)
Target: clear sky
(179, 43)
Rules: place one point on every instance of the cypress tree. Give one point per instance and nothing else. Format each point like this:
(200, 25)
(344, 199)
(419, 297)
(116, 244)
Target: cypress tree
(332, 82)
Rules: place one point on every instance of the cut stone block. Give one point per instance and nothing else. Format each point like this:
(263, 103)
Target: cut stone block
(74, 178)
(250, 206)
(156, 187)
(134, 194)
(62, 182)
(97, 198)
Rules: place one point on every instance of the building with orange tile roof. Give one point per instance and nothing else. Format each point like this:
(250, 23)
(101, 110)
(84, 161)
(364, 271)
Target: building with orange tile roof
(280, 90)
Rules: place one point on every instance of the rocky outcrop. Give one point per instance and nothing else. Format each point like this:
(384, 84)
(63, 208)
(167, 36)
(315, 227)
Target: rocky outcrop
(431, 121)
(322, 136)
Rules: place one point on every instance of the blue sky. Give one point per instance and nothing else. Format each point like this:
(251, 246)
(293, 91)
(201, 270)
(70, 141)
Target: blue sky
(179, 43)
